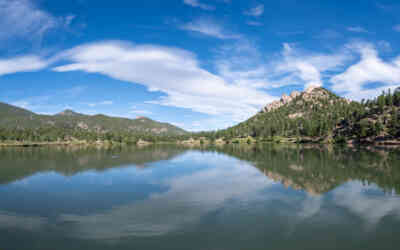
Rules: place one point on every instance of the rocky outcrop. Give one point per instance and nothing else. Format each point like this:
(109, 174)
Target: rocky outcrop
(286, 99)
(295, 115)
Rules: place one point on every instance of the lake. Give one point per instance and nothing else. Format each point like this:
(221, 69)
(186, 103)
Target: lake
(218, 198)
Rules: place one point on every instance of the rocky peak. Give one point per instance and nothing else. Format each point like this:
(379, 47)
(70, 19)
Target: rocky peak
(310, 93)
(68, 112)
(286, 99)
(141, 117)
(310, 89)
(295, 94)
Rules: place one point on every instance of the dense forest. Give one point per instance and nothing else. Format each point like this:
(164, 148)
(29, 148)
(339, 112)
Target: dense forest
(22, 126)
(320, 115)
(55, 134)
(315, 115)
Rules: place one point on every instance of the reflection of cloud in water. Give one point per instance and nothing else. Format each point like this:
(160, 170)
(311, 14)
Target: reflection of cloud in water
(190, 197)
(8, 220)
(371, 208)
(187, 200)
(352, 196)
(309, 207)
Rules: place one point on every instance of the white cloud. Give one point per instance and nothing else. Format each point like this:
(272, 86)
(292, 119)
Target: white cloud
(209, 28)
(236, 90)
(253, 23)
(174, 72)
(75, 91)
(328, 34)
(69, 19)
(21, 19)
(397, 28)
(140, 112)
(198, 4)
(102, 103)
(298, 67)
(51, 101)
(22, 104)
(210, 124)
(357, 29)
(370, 69)
(242, 64)
(27, 63)
(290, 33)
(256, 11)
(32, 103)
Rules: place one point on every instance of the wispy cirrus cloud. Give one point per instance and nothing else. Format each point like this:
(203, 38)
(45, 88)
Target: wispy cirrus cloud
(357, 29)
(256, 11)
(254, 23)
(328, 34)
(208, 27)
(50, 102)
(140, 112)
(198, 4)
(397, 28)
(102, 103)
(22, 19)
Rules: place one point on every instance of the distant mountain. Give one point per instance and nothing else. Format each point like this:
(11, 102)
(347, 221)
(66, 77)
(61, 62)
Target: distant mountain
(12, 117)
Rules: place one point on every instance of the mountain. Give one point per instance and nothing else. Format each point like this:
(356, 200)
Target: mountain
(312, 113)
(318, 115)
(14, 118)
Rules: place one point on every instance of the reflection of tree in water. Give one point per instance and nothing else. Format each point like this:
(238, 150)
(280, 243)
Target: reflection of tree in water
(320, 169)
(315, 169)
(19, 163)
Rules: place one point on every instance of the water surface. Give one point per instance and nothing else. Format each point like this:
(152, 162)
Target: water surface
(168, 197)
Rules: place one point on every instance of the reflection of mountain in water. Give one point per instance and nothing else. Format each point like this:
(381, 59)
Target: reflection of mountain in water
(316, 170)
(19, 163)
(319, 170)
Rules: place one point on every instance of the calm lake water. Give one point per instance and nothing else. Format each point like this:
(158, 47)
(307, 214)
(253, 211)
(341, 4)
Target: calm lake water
(167, 197)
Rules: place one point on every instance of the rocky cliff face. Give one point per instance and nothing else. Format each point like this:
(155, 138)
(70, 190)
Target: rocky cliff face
(311, 93)
(285, 99)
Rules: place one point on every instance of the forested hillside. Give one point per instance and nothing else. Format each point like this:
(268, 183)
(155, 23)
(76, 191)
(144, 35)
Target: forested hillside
(18, 124)
(315, 115)
(378, 120)
(318, 115)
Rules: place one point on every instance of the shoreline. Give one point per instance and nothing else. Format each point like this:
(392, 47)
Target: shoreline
(393, 143)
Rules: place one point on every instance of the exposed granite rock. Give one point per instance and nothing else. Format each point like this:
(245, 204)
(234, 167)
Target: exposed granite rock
(310, 89)
(285, 99)
(295, 94)
(295, 115)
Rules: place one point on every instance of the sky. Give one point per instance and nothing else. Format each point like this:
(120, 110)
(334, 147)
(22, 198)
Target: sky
(197, 64)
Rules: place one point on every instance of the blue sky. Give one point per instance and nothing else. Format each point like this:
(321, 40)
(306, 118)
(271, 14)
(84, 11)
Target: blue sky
(199, 64)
